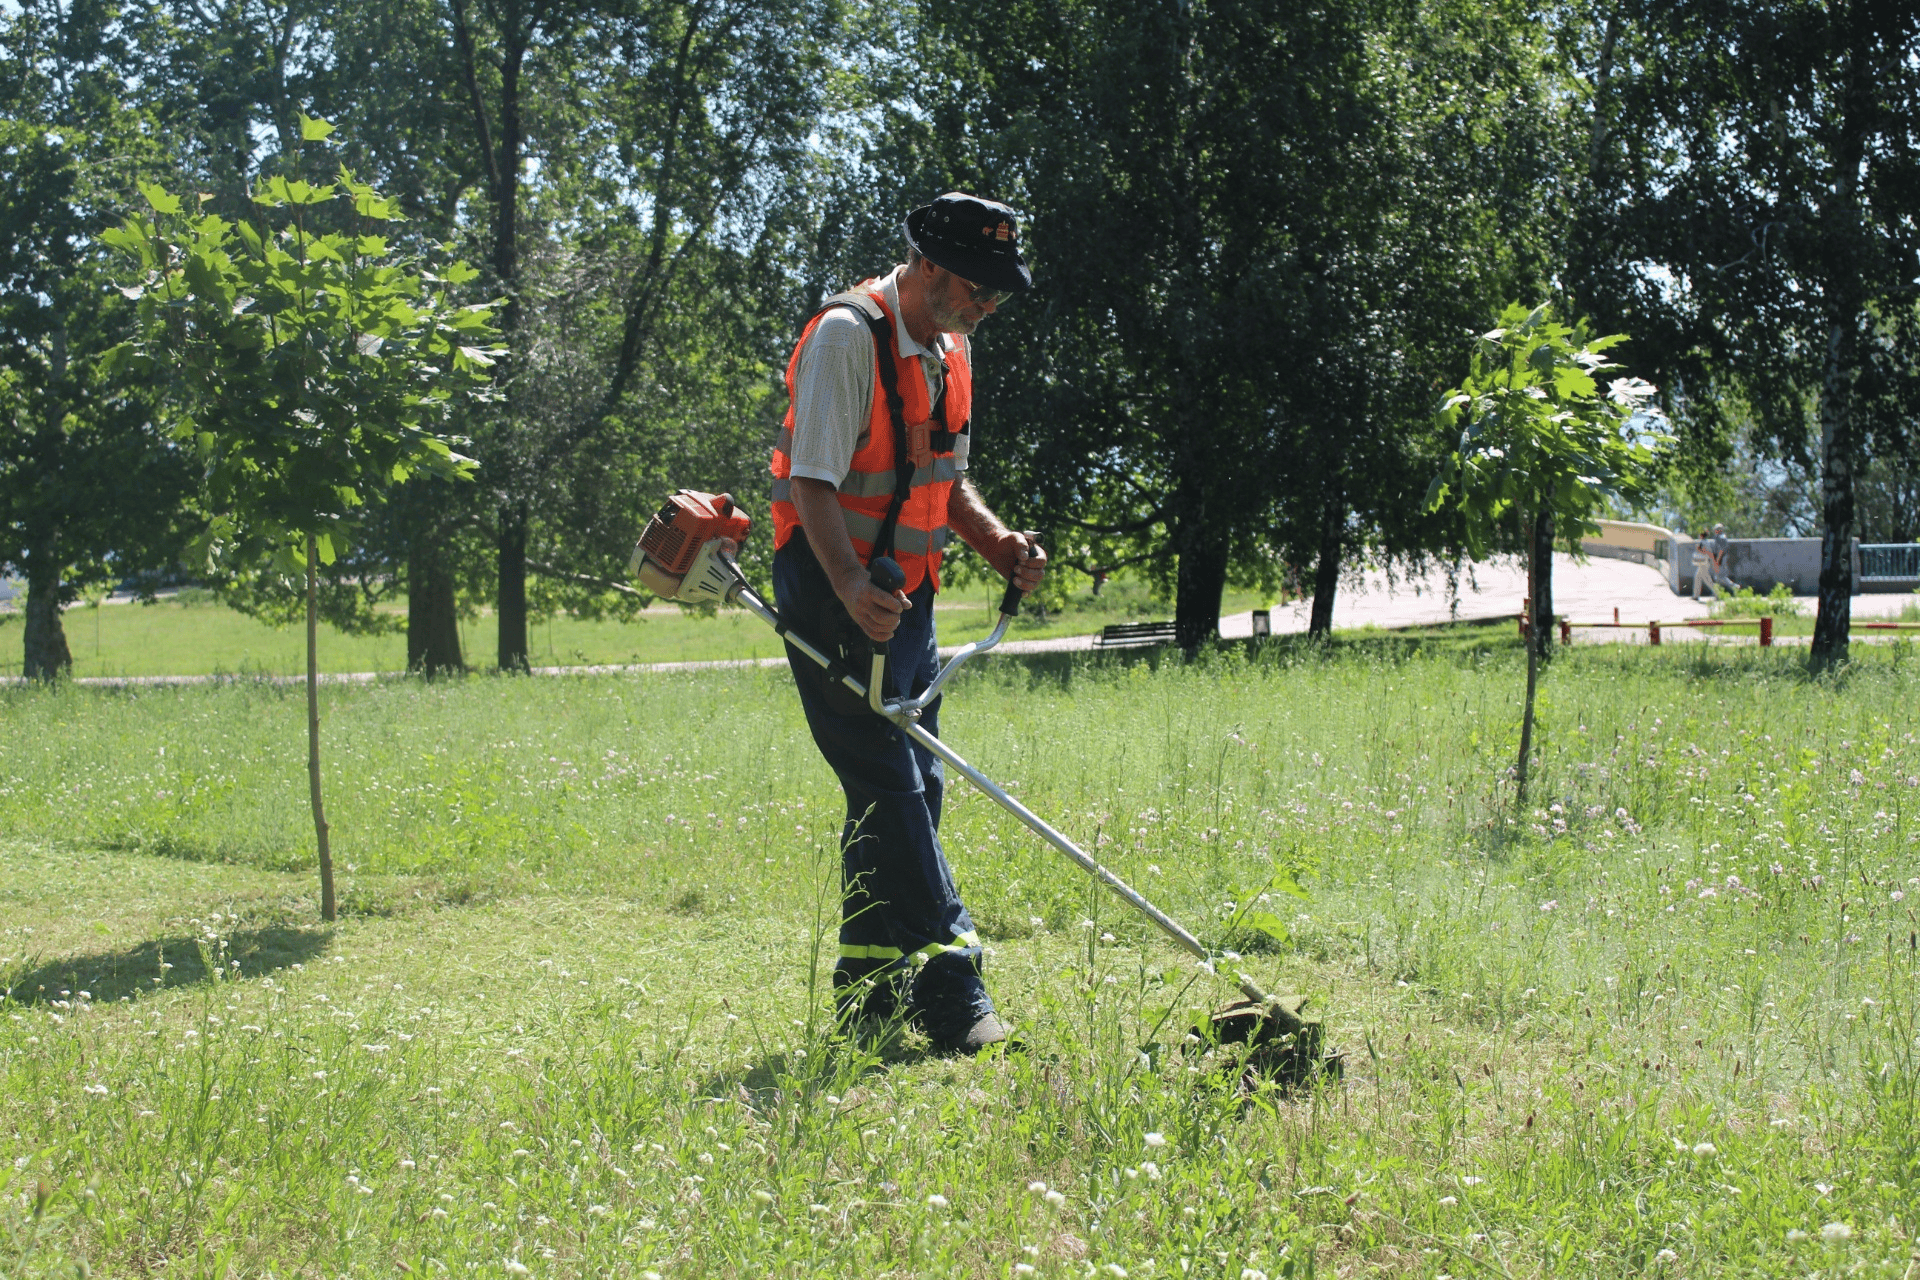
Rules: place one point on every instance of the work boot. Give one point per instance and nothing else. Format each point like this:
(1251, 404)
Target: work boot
(985, 1032)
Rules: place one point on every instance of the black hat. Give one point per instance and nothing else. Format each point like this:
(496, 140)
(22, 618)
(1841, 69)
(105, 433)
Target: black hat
(977, 240)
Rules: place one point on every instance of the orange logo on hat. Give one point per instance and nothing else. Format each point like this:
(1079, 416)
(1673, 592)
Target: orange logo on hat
(1003, 232)
(986, 231)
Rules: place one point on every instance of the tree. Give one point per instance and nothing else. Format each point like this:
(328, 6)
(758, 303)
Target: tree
(1757, 190)
(666, 163)
(91, 491)
(310, 369)
(1541, 445)
(1257, 232)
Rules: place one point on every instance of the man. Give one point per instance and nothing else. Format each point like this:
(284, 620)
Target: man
(1703, 570)
(1718, 546)
(873, 461)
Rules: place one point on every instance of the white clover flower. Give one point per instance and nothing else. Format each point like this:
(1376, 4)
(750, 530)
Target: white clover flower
(1795, 1236)
(516, 1267)
(1248, 1273)
(1550, 904)
(1705, 1149)
(936, 1201)
(1057, 1200)
(1152, 1170)
(1449, 1201)
(1117, 1271)
(1023, 1268)
(1666, 1255)
(437, 1212)
(1037, 1188)
(1155, 1139)
(97, 1090)
(1835, 1232)
(1471, 1181)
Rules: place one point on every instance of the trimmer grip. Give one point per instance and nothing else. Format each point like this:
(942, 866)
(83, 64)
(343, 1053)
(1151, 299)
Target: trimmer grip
(886, 575)
(889, 577)
(1010, 601)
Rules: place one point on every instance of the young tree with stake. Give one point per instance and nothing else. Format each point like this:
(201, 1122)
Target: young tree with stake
(1540, 443)
(310, 366)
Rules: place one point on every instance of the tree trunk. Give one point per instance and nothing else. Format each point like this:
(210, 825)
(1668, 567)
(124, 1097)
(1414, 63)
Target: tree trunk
(1200, 581)
(513, 587)
(313, 734)
(1534, 576)
(1200, 575)
(1326, 571)
(433, 623)
(1831, 626)
(1540, 574)
(46, 655)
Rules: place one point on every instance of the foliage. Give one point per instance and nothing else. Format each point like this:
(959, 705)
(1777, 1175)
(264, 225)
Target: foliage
(1757, 185)
(1743, 603)
(1537, 433)
(91, 490)
(312, 370)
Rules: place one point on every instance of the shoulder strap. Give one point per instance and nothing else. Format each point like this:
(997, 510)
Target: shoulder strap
(882, 329)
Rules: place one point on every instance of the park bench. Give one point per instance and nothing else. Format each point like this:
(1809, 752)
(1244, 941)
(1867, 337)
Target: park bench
(1133, 635)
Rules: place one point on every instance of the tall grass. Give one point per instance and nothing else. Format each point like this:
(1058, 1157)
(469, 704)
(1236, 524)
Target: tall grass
(1672, 1007)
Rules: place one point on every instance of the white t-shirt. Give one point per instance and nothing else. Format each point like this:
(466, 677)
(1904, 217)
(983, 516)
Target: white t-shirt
(833, 386)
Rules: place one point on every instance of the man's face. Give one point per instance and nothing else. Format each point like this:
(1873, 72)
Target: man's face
(951, 303)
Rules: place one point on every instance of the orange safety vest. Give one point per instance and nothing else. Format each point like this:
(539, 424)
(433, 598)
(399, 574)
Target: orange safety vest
(867, 491)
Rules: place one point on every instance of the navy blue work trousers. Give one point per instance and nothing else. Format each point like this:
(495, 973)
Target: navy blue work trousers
(901, 910)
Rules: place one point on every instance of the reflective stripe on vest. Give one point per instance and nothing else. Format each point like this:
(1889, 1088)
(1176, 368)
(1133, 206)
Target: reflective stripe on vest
(906, 540)
(877, 484)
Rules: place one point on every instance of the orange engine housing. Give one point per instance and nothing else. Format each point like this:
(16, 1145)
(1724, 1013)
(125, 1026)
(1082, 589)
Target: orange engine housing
(688, 521)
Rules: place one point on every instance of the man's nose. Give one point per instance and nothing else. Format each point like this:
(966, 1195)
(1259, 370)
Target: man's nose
(990, 306)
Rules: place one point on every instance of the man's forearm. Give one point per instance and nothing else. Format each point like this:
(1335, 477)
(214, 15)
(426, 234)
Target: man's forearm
(1012, 555)
(826, 525)
(875, 611)
(978, 527)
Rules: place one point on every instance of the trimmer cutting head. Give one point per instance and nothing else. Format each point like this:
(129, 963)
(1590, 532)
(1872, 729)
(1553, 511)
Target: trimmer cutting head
(1285, 1044)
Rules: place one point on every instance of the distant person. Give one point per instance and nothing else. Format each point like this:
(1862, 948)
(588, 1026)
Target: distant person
(1718, 547)
(1703, 569)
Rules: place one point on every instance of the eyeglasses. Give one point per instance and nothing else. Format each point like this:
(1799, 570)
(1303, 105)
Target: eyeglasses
(983, 295)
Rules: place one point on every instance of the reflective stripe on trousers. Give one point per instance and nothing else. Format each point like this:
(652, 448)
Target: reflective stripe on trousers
(961, 942)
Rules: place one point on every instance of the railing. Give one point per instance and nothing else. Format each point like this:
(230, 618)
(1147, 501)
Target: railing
(1884, 560)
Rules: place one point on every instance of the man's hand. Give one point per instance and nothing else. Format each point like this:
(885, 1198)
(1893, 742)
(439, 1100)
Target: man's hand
(1021, 558)
(874, 611)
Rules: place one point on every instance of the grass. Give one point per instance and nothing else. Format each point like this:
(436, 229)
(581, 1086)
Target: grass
(199, 636)
(573, 1024)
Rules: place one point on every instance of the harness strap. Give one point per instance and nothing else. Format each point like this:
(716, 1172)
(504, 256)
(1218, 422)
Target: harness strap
(902, 457)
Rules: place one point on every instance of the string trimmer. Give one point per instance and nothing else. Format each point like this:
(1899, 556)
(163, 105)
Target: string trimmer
(687, 553)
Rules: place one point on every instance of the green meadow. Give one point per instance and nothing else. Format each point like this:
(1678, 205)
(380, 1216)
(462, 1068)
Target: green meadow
(1664, 1020)
(192, 634)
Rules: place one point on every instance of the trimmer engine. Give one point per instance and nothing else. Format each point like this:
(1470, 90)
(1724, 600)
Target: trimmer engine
(679, 555)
